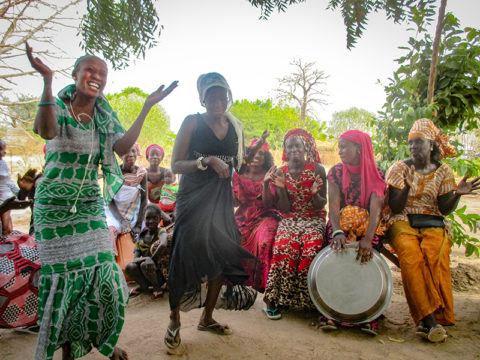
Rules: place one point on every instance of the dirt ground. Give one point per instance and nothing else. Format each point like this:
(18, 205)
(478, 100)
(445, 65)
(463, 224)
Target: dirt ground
(295, 336)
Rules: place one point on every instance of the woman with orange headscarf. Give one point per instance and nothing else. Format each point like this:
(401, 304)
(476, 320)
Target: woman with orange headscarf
(421, 191)
(300, 194)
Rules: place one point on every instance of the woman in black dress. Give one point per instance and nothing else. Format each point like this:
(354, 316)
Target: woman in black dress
(206, 241)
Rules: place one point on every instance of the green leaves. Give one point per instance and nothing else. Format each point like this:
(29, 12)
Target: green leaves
(119, 29)
(259, 115)
(460, 238)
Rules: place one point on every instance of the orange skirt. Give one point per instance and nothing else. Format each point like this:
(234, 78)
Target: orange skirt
(125, 248)
(424, 256)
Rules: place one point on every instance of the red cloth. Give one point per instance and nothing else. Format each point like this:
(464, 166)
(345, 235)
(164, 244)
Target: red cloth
(308, 142)
(371, 180)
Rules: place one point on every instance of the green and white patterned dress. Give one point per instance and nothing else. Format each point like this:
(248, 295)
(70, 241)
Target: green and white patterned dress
(82, 291)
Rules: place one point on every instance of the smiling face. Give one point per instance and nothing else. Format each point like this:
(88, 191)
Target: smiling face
(349, 152)
(259, 158)
(216, 101)
(155, 156)
(294, 149)
(420, 148)
(91, 77)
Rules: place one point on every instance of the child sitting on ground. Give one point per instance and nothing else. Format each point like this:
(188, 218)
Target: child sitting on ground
(147, 268)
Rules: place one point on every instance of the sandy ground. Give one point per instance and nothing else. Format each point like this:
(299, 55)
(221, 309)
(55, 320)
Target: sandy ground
(295, 336)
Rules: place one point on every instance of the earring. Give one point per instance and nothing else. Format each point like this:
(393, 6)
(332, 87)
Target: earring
(431, 149)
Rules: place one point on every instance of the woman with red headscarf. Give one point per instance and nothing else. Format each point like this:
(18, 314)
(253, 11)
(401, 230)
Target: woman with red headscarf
(256, 218)
(356, 189)
(300, 194)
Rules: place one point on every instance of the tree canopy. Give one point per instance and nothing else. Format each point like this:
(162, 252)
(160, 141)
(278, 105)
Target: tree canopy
(353, 118)
(259, 115)
(156, 129)
(355, 12)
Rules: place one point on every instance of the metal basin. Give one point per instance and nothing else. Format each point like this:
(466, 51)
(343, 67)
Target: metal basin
(344, 290)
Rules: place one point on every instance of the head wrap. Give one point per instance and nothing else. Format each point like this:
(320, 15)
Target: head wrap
(370, 179)
(83, 58)
(207, 81)
(425, 128)
(264, 146)
(154, 146)
(308, 142)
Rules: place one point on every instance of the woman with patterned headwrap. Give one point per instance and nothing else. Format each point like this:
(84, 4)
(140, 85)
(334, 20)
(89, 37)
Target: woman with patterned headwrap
(300, 194)
(256, 217)
(206, 241)
(356, 190)
(82, 291)
(421, 191)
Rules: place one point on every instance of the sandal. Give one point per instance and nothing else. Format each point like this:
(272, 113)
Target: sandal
(172, 334)
(326, 324)
(135, 292)
(434, 334)
(216, 328)
(157, 295)
(370, 328)
(273, 314)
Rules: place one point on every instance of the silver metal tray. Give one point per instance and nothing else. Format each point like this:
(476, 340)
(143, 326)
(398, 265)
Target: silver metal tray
(344, 290)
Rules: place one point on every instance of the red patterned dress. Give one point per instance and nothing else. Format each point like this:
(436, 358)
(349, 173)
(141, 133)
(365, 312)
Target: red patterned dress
(299, 238)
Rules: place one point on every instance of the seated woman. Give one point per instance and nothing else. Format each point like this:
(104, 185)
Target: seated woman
(421, 190)
(301, 190)
(356, 189)
(126, 211)
(257, 220)
(155, 173)
(145, 269)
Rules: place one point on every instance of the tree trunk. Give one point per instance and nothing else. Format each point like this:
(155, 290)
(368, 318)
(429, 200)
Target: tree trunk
(436, 42)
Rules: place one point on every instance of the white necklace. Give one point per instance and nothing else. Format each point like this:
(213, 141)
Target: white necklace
(73, 209)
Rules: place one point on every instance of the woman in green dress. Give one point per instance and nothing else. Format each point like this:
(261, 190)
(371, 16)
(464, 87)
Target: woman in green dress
(82, 291)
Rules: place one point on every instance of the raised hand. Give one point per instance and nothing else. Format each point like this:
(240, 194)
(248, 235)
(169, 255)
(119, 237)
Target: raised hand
(279, 179)
(317, 185)
(160, 94)
(264, 136)
(269, 174)
(38, 64)
(408, 176)
(465, 188)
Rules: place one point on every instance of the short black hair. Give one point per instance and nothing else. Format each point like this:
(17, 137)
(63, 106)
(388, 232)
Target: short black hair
(155, 208)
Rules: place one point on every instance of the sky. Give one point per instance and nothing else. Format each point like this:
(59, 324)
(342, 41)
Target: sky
(252, 54)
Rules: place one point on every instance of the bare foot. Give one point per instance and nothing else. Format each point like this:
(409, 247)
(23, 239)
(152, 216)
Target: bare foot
(119, 354)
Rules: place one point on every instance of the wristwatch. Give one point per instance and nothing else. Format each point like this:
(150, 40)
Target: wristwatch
(200, 166)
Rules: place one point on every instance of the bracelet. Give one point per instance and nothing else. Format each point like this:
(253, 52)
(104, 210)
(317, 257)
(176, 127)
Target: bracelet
(46, 103)
(337, 232)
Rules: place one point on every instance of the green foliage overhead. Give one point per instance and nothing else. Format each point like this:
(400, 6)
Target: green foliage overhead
(355, 12)
(118, 29)
(156, 129)
(259, 115)
(455, 107)
(353, 118)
